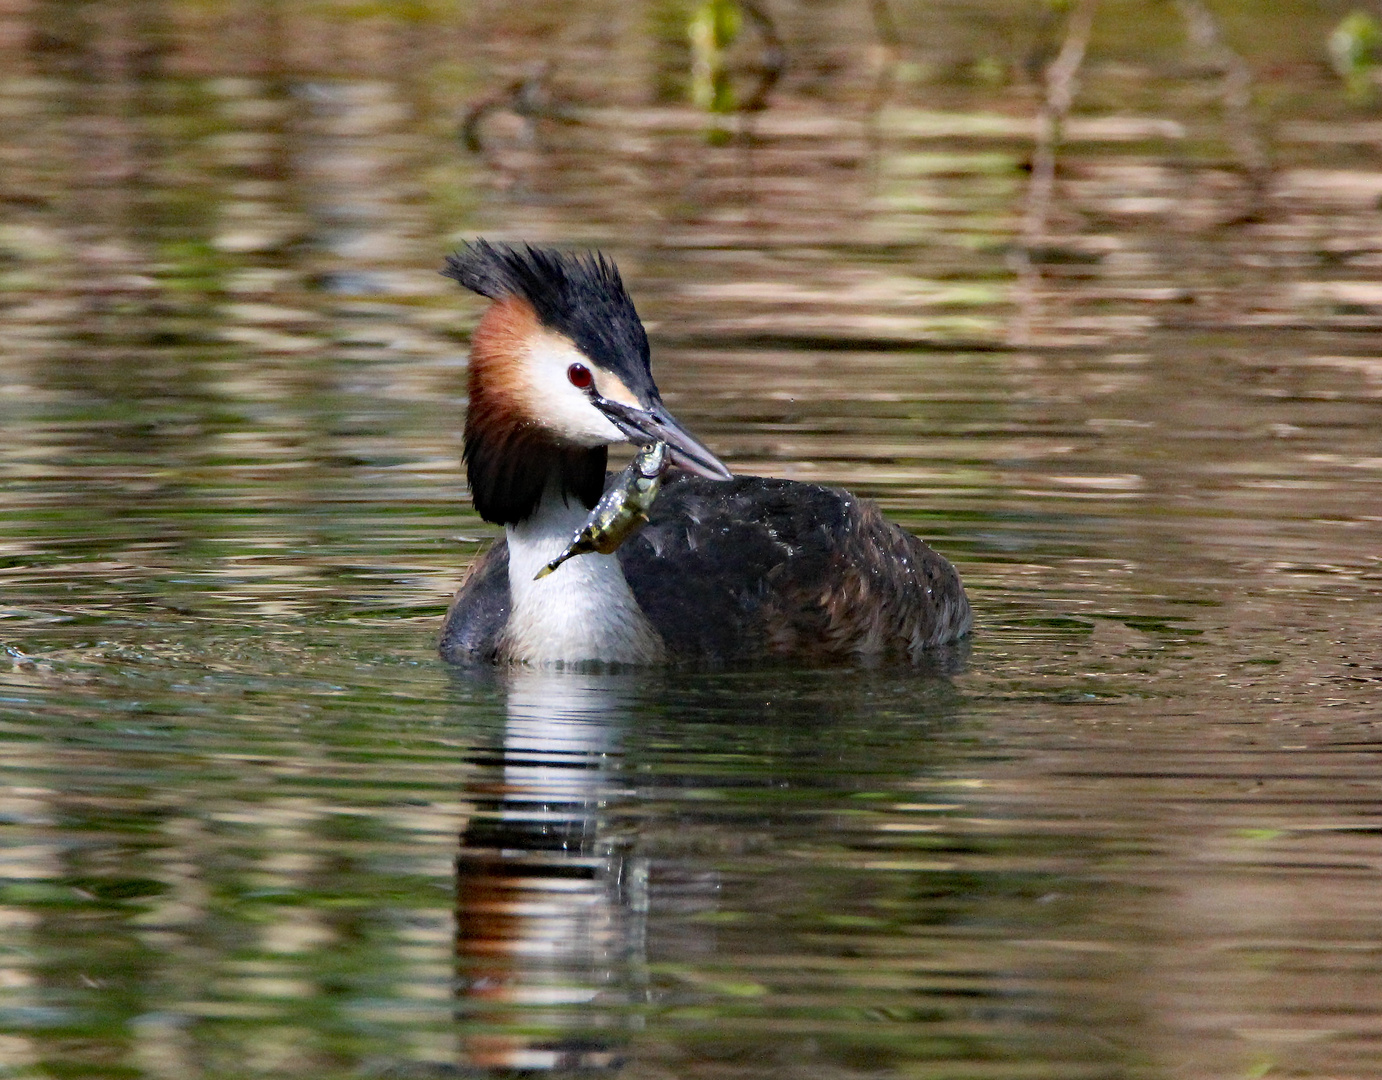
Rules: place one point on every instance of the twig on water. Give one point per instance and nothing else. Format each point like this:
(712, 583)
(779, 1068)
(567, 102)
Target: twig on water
(773, 62)
(890, 49)
(529, 97)
(1240, 130)
(1061, 82)
(1060, 94)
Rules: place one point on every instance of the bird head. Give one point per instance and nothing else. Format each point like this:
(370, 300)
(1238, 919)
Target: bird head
(559, 370)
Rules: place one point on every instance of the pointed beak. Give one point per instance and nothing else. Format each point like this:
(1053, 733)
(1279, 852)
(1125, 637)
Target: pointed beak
(657, 425)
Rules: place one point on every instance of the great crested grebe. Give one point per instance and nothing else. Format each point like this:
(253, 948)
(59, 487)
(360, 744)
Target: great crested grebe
(727, 569)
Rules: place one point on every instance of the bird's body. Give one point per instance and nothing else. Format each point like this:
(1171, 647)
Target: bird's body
(744, 570)
(727, 569)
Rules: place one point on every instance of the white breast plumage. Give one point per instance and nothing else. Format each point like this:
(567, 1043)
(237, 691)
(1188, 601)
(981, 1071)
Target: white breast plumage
(584, 611)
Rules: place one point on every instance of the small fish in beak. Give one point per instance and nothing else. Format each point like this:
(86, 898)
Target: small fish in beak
(622, 510)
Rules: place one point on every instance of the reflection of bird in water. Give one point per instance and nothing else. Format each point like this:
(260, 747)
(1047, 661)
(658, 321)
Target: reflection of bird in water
(728, 568)
(550, 903)
(591, 857)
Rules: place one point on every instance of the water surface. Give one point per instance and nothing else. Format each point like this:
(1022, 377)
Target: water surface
(255, 828)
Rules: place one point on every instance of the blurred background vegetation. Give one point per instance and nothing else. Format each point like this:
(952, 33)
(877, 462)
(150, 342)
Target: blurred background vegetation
(127, 119)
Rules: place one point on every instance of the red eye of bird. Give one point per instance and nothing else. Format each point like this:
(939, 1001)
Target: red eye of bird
(580, 376)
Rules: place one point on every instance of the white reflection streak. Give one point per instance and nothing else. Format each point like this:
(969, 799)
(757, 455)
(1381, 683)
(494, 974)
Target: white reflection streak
(545, 922)
(558, 734)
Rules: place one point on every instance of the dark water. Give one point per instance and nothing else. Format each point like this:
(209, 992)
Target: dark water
(253, 827)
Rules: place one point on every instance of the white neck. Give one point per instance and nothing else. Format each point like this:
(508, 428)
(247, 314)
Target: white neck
(583, 611)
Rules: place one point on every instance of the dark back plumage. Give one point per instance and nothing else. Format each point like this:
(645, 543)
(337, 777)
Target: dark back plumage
(756, 568)
(580, 296)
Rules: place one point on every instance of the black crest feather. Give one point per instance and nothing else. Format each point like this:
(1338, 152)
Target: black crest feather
(581, 296)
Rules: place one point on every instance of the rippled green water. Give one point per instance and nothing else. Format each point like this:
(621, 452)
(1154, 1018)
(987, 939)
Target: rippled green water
(252, 825)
